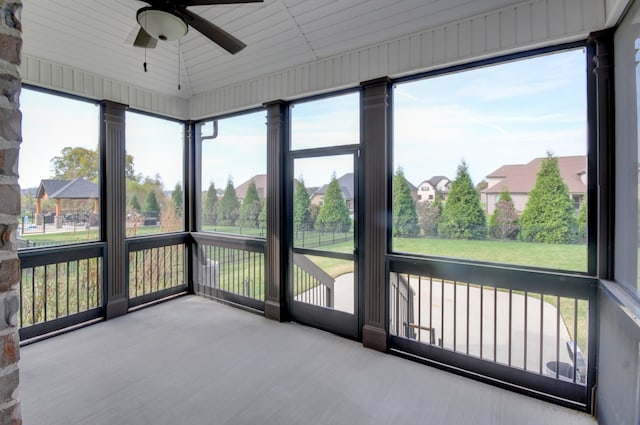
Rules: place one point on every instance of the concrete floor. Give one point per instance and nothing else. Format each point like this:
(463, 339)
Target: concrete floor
(194, 361)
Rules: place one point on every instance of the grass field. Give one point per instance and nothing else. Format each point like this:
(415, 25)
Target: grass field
(555, 256)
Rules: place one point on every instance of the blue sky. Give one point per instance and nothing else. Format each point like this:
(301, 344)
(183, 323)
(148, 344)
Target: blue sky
(488, 117)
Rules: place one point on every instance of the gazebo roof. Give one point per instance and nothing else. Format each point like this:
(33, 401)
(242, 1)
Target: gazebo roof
(77, 188)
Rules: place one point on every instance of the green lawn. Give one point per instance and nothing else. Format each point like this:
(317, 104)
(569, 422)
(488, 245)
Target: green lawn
(555, 256)
(80, 236)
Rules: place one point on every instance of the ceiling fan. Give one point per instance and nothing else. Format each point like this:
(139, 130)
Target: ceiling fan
(169, 20)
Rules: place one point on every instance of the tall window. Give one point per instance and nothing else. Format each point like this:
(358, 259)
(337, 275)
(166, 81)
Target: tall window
(234, 175)
(333, 121)
(154, 175)
(627, 152)
(59, 171)
(504, 146)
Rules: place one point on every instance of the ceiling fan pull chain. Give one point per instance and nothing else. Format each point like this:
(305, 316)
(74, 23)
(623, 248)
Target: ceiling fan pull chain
(144, 65)
(179, 68)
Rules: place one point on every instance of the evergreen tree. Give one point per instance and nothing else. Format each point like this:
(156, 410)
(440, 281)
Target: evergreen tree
(334, 213)
(301, 202)
(151, 205)
(504, 220)
(210, 201)
(462, 215)
(250, 208)
(227, 210)
(134, 204)
(549, 216)
(582, 221)
(314, 210)
(177, 196)
(262, 217)
(405, 219)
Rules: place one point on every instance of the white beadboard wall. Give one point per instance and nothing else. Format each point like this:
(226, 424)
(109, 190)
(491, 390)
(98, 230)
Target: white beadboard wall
(524, 26)
(516, 28)
(615, 9)
(47, 74)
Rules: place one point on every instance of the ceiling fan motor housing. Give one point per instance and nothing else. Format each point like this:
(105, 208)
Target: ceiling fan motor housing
(162, 24)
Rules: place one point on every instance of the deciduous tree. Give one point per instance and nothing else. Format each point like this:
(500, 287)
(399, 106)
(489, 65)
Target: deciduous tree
(504, 220)
(429, 214)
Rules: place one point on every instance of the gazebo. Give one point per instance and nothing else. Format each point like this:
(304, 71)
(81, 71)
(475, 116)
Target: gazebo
(76, 189)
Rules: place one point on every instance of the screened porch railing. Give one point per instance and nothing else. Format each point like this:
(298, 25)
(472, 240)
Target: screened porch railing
(526, 328)
(230, 268)
(156, 267)
(60, 287)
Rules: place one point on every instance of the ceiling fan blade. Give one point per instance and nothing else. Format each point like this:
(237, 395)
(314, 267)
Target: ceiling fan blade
(212, 2)
(213, 32)
(143, 39)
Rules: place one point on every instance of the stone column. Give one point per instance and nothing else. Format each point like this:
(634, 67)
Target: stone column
(10, 138)
(375, 116)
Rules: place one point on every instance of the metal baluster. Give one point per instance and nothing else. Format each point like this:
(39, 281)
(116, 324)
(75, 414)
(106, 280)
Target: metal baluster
(431, 309)
(455, 315)
(495, 324)
(442, 313)
(419, 307)
(57, 289)
(468, 294)
(575, 339)
(557, 336)
(481, 319)
(44, 292)
(541, 329)
(526, 319)
(510, 323)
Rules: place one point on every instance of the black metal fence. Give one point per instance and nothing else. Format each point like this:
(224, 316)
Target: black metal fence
(524, 328)
(59, 288)
(230, 268)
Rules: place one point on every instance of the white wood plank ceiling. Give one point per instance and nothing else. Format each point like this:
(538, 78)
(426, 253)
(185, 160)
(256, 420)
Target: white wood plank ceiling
(96, 36)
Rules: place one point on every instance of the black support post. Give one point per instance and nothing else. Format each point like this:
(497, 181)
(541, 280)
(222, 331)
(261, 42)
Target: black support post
(113, 205)
(375, 118)
(192, 189)
(602, 109)
(275, 307)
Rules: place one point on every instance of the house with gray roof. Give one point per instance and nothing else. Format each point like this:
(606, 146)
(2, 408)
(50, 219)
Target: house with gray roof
(346, 186)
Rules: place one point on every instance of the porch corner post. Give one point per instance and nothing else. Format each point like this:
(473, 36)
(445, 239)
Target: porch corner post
(275, 306)
(375, 135)
(113, 203)
(192, 204)
(602, 134)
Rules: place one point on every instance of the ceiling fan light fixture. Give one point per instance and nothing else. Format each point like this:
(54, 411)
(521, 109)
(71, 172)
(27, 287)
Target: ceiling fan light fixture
(161, 24)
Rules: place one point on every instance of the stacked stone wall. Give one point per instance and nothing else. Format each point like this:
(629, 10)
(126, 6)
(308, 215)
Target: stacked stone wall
(10, 138)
